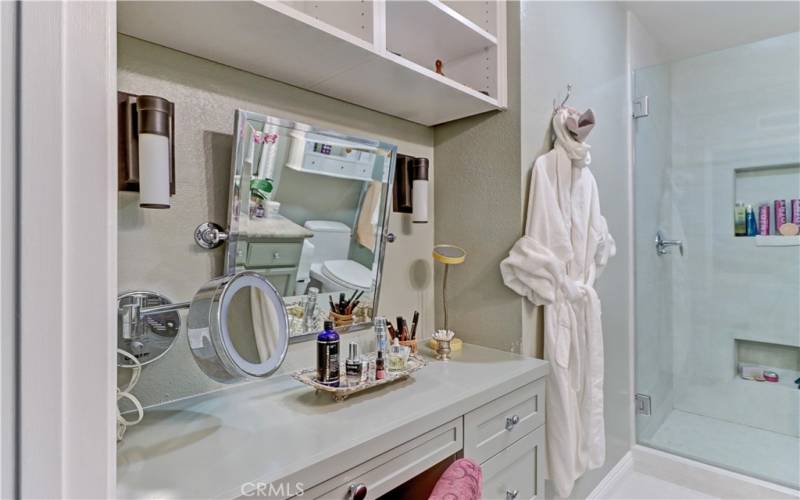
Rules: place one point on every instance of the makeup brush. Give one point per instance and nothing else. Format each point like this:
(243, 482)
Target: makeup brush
(414, 325)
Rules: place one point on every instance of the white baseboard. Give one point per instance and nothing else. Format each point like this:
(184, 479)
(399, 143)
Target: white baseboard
(616, 473)
(713, 481)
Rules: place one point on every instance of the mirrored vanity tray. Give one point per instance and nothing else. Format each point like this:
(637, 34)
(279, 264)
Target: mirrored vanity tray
(308, 376)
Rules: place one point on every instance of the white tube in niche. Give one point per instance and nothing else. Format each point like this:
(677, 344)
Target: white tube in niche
(154, 124)
(153, 171)
(419, 190)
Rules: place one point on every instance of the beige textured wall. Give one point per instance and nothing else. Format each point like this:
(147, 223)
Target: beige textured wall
(486, 162)
(479, 207)
(156, 248)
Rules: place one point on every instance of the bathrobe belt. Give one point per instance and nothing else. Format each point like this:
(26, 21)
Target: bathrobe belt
(571, 347)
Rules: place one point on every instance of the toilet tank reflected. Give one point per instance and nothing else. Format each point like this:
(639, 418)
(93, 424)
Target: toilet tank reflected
(308, 211)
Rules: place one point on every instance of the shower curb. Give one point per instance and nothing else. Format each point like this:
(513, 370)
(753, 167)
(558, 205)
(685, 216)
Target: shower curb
(616, 473)
(714, 481)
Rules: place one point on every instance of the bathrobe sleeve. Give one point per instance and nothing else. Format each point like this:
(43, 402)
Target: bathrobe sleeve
(536, 266)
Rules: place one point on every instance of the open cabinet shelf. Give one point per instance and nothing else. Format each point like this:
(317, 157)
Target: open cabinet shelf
(343, 49)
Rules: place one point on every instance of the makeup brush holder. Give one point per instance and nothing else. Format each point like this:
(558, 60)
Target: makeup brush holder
(412, 344)
(341, 319)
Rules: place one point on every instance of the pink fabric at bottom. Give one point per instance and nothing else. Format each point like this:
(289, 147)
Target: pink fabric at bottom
(461, 481)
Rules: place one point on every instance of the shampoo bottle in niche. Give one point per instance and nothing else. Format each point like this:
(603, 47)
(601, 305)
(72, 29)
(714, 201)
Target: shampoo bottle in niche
(328, 356)
(739, 222)
(750, 218)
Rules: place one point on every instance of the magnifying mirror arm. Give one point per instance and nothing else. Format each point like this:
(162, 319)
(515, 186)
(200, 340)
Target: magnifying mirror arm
(134, 314)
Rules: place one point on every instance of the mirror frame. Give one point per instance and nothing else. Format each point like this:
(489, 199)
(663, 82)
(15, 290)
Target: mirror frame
(208, 332)
(241, 118)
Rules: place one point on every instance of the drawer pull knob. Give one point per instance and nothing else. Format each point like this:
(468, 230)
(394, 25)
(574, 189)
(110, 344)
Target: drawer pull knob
(511, 495)
(357, 492)
(511, 422)
(276, 256)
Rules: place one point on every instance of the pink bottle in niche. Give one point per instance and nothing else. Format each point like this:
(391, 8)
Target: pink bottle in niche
(780, 214)
(763, 219)
(795, 211)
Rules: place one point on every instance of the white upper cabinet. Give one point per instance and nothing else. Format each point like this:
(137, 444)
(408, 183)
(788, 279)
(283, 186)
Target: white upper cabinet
(380, 55)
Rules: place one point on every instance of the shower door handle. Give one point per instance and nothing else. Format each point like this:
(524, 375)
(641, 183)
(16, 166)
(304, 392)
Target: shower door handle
(662, 245)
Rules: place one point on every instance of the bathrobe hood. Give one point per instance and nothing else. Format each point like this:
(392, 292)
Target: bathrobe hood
(565, 247)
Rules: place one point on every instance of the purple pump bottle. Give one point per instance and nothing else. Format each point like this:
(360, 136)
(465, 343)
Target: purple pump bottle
(328, 356)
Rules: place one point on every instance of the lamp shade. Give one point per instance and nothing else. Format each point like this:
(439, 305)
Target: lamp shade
(154, 151)
(449, 254)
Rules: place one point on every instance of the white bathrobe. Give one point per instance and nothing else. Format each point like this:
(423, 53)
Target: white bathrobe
(555, 264)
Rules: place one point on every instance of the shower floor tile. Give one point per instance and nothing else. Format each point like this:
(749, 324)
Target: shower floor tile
(748, 450)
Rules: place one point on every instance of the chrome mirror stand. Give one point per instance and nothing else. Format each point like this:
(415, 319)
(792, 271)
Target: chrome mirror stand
(148, 324)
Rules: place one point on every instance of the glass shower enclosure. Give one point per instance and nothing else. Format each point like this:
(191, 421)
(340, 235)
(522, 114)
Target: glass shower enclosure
(718, 315)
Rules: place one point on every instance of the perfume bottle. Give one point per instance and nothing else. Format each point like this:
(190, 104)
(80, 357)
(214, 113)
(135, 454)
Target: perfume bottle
(380, 333)
(353, 365)
(380, 372)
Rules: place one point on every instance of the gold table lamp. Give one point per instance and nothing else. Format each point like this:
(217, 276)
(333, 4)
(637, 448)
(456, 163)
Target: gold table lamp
(448, 255)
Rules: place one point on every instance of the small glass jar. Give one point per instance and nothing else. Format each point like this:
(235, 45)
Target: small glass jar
(398, 358)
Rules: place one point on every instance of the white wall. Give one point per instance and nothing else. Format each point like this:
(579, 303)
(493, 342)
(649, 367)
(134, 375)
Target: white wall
(156, 248)
(584, 43)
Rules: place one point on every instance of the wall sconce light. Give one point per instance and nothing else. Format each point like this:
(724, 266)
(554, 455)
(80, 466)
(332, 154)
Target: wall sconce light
(410, 191)
(419, 190)
(146, 148)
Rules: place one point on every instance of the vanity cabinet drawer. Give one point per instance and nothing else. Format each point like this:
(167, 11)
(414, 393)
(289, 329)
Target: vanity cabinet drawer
(499, 423)
(516, 473)
(393, 468)
(273, 254)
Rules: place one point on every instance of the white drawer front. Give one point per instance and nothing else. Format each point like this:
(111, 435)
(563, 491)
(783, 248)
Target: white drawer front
(395, 467)
(516, 473)
(499, 423)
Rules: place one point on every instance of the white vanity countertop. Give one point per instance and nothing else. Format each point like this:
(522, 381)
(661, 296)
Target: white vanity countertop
(280, 430)
(276, 226)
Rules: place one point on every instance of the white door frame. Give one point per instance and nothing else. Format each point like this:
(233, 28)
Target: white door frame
(68, 253)
(8, 168)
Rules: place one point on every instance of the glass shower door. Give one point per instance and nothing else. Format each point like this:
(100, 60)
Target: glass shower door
(722, 128)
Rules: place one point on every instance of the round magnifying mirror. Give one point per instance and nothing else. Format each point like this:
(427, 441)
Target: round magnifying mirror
(449, 254)
(238, 328)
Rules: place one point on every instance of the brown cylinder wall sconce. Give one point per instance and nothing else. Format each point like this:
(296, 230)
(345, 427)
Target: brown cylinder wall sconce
(410, 187)
(146, 148)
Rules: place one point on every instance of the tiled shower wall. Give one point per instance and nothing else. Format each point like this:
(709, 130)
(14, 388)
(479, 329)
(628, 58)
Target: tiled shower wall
(729, 110)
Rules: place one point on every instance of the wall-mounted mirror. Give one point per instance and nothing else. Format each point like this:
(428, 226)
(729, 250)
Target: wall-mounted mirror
(308, 211)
